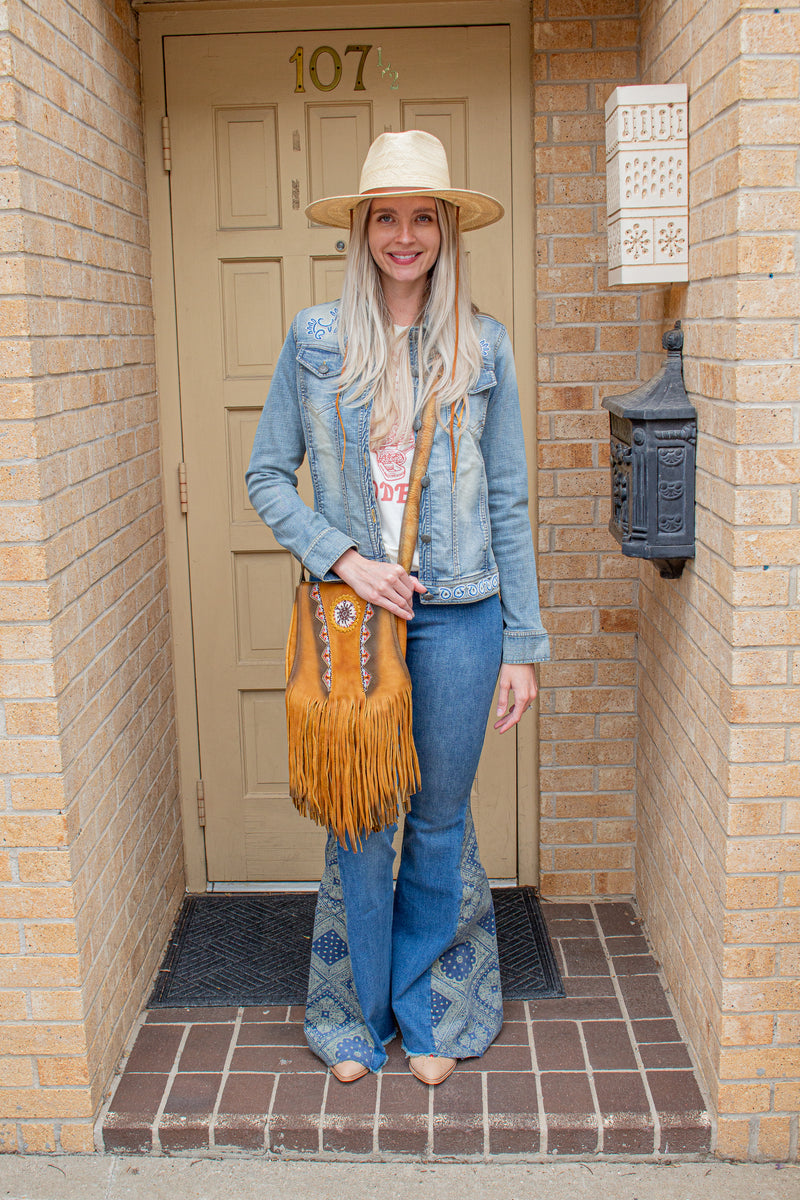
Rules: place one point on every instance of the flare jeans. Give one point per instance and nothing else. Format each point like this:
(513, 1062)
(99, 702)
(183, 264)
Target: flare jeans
(422, 956)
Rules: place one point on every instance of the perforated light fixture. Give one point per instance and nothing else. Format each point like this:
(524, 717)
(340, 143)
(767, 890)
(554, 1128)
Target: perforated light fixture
(647, 184)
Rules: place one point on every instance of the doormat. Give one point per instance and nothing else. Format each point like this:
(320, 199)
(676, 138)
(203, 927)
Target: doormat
(255, 949)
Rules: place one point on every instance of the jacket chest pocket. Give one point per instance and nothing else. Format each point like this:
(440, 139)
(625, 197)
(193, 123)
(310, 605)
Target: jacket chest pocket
(318, 376)
(479, 400)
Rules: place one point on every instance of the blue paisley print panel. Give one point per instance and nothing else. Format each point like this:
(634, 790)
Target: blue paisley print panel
(466, 1000)
(334, 1027)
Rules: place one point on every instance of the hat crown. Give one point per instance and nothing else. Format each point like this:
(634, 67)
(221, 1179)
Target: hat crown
(405, 161)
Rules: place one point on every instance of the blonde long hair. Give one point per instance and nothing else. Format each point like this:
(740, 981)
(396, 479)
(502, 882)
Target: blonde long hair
(377, 360)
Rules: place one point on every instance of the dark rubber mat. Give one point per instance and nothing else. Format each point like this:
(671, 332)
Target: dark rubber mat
(255, 949)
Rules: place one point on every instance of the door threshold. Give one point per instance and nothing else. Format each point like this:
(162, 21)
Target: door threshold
(291, 885)
(302, 885)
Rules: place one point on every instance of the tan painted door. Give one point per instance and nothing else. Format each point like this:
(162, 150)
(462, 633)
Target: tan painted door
(259, 125)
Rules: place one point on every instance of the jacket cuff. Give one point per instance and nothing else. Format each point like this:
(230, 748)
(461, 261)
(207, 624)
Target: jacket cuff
(525, 647)
(324, 551)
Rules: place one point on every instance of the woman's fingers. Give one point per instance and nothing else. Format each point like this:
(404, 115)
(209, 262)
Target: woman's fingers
(521, 680)
(384, 584)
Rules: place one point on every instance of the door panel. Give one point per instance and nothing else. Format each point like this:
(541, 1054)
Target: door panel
(249, 150)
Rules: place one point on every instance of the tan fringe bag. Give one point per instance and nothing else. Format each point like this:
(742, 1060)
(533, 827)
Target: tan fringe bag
(352, 761)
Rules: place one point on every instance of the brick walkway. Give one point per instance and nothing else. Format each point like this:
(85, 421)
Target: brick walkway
(602, 1071)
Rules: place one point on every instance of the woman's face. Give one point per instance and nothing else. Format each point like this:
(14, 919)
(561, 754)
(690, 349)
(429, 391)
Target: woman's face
(404, 237)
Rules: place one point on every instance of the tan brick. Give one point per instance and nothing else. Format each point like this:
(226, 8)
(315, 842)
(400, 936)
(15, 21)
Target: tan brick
(791, 891)
(51, 938)
(733, 1139)
(16, 1072)
(750, 819)
(51, 1102)
(774, 1138)
(77, 1139)
(26, 754)
(554, 885)
(9, 1141)
(36, 902)
(743, 1098)
(787, 1097)
(751, 891)
(44, 866)
(56, 1071)
(56, 1005)
(763, 855)
(614, 883)
(555, 35)
(38, 1138)
(746, 1029)
(33, 830)
(37, 793)
(787, 1028)
(775, 1061)
(39, 971)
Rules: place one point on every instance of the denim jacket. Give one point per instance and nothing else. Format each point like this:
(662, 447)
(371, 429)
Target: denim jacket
(474, 538)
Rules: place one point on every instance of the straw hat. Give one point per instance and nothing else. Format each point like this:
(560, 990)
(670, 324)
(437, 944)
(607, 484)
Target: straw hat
(399, 164)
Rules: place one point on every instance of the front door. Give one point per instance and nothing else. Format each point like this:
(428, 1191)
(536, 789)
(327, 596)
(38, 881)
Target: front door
(260, 124)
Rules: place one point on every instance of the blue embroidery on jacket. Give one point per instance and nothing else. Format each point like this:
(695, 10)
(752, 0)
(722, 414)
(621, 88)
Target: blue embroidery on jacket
(470, 591)
(317, 327)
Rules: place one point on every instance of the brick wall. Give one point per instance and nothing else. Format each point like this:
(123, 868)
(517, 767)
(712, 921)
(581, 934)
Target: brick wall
(588, 338)
(90, 845)
(718, 851)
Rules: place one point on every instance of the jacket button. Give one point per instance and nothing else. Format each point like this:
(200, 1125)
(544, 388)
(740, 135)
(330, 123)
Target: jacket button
(417, 424)
(425, 481)
(425, 537)
(323, 369)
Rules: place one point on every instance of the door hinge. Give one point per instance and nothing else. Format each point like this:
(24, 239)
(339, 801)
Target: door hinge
(166, 148)
(201, 803)
(183, 492)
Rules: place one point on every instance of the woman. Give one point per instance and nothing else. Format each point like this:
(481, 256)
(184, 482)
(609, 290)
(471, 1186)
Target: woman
(348, 389)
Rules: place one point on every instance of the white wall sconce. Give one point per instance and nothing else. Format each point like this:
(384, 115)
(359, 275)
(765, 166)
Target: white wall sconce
(647, 180)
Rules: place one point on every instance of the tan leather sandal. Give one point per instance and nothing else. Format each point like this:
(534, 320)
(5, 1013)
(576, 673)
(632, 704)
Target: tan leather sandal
(431, 1068)
(349, 1071)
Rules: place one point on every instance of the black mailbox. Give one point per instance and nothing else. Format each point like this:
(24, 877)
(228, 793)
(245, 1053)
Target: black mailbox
(653, 439)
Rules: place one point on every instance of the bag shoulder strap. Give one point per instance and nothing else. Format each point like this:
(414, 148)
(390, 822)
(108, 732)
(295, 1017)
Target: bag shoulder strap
(419, 465)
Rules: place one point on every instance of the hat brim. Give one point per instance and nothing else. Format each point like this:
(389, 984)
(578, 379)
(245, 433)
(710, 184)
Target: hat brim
(476, 209)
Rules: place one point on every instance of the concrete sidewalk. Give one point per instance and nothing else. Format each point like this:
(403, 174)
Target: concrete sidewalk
(124, 1178)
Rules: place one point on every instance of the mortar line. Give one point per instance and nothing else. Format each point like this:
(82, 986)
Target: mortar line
(590, 1076)
(226, 1067)
(377, 1115)
(168, 1088)
(485, 1113)
(631, 1033)
(268, 1121)
(321, 1119)
(544, 1131)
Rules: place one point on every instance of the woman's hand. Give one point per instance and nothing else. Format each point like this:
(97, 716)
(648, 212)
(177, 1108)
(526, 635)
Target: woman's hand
(519, 678)
(381, 583)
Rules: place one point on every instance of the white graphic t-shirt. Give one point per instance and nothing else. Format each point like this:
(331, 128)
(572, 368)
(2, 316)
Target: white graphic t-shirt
(391, 472)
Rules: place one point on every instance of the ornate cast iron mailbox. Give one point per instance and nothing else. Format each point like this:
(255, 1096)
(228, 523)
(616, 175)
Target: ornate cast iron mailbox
(653, 438)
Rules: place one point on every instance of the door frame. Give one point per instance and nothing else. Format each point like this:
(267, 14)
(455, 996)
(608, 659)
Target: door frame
(158, 20)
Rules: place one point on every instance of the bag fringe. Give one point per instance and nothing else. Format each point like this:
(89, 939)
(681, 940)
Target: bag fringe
(352, 762)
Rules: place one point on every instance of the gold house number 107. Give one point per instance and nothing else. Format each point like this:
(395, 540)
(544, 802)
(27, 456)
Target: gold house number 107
(332, 70)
